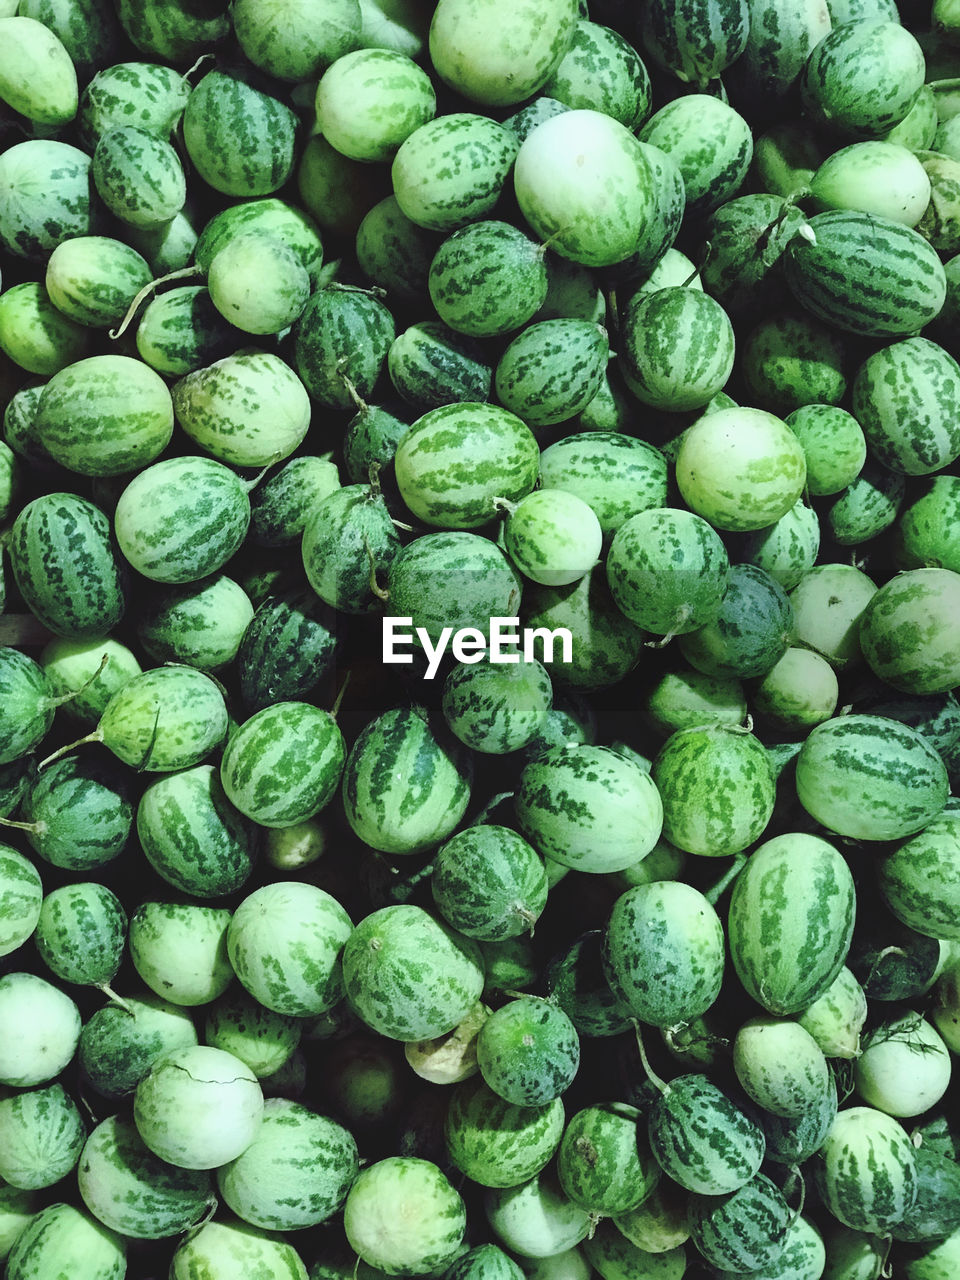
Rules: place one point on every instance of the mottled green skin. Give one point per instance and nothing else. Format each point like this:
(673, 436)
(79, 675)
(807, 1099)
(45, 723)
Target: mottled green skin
(686, 699)
(663, 952)
(497, 1143)
(780, 39)
(370, 100)
(552, 370)
(780, 1065)
(936, 1212)
(404, 1217)
(903, 396)
(791, 1141)
(935, 715)
(431, 365)
(604, 1163)
(833, 444)
(349, 534)
(146, 94)
(452, 169)
(292, 226)
(589, 808)
(26, 704)
(744, 1231)
(617, 475)
(602, 71)
(180, 950)
(181, 331)
(46, 196)
(408, 975)
(667, 570)
(929, 526)
(65, 566)
(870, 777)
(281, 505)
(695, 39)
(192, 836)
(198, 1107)
(487, 278)
(787, 549)
(248, 409)
(489, 883)
(288, 648)
(39, 338)
(553, 537)
(791, 359)
(614, 1256)
(50, 1244)
(264, 1040)
(168, 718)
(342, 334)
(87, 29)
(457, 459)
(892, 291)
(138, 176)
(521, 43)
(182, 519)
(118, 1044)
(294, 42)
(93, 279)
(485, 1262)
(240, 140)
(453, 579)
(21, 893)
(748, 235)
(41, 1136)
(751, 632)
(867, 1174)
(790, 921)
(199, 623)
(105, 416)
(496, 708)
(710, 143)
(171, 30)
(244, 1249)
(82, 810)
(717, 788)
(702, 1139)
(536, 1216)
(258, 283)
(284, 943)
(576, 982)
(296, 1172)
(130, 1190)
(863, 77)
(283, 765)
(940, 222)
(827, 604)
(81, 933)
(528, 1051)
(920, 879)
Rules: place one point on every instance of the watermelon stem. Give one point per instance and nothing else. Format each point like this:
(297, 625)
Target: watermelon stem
(36, 828)
(348, 382)
(380, 592)
(886, 1266)
(716, 891)
(94, 736)
(204, 57)
(334, 710)
(504, 504)
(75, 693)
(109, 992)
(147, 291)
(651, 1075)
(796, 1175)
(213, 1205)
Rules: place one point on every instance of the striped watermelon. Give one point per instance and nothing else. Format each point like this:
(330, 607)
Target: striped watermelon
(138, 177)
(696, 40)
(870, 777)
(907, 633)
(790, 1141)
(615, 474)
(88, 30)
(289, 646)
(21, 894)
(780, 1065)
(167, 718)
(800, 891)
(676, 348)
(65, 565)
(487, 278)
(663, 952)
(370, 100)
(781, 37)
(866, 1173)
(451, 170)
(717, 789)
(702, 1138)
(603, 71)
(342, 340)
(489, 883)
(181, 331)
(431, 365)
(191, 834)
(710, 143)
(146, 94)
(80, 812)
(604, 1163)
(51, 1240)
(38, 337)
(408, 975)
(37, 75)
(180, 951)
(239, 139)
(284, 942)
(405, 786)
(746, 1230)
(118, 1042)
(552, 370)
(553, 537)
(496, 1143)
(866, 274)
(929, 527)
(748, 235)
(41, 1137)
(182, 519)
(283, 765)
(248, 409)
(47, 196)
(919, 879)
(105, 415)
(132, 1191)
(863, 77)
(26, 704)
(239, 1246)
(199, 623)
(456, 460)
(93, 279)
(428, 1215)
(904, 397)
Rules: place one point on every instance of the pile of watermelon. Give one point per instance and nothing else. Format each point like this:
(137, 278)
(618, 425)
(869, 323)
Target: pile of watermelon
(479, 639)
